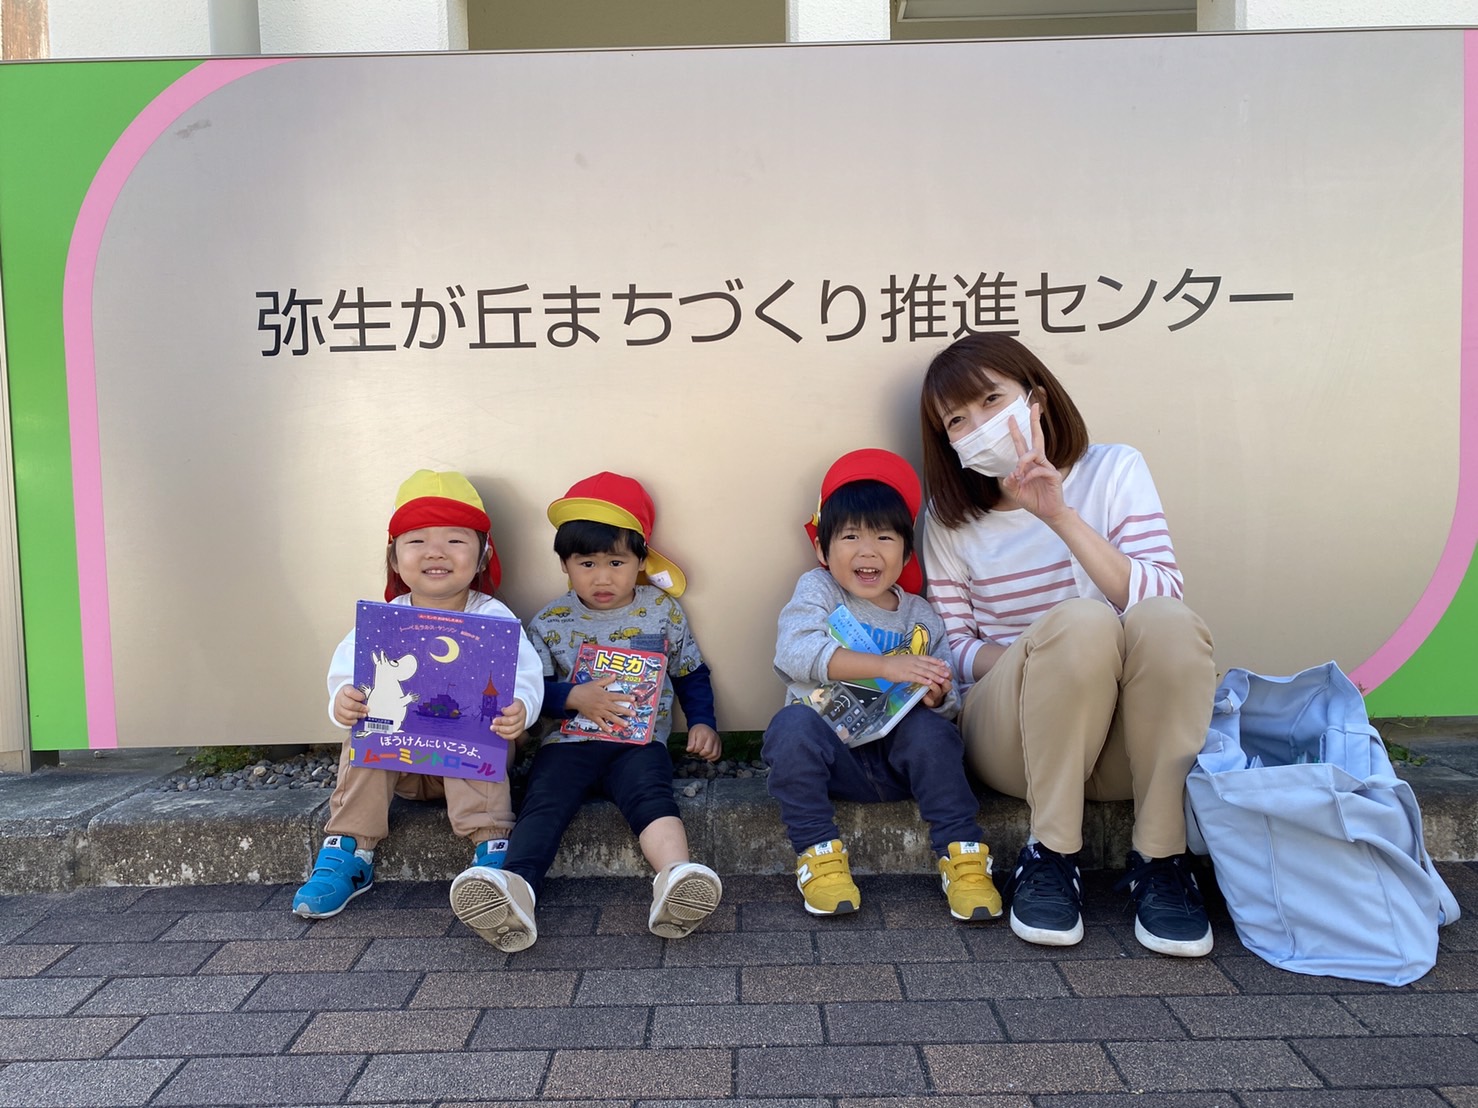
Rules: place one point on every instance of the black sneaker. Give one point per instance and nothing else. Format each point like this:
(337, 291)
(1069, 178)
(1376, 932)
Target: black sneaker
(1170, 914)
(1046, 897)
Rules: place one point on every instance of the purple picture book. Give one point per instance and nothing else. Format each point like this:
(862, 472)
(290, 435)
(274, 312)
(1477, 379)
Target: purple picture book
(435, 681)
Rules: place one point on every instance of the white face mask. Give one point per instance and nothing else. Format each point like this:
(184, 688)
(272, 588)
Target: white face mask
(989, 449)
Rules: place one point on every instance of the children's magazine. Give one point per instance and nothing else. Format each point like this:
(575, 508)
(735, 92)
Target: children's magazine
(435, 681)
(638, 674)
(863, 710)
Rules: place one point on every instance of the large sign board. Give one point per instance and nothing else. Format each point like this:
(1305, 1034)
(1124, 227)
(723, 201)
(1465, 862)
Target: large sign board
(292, 282)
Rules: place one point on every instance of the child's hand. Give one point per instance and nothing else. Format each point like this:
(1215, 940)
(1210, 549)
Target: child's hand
(511, 721)
(349, 706)
(607, 710)
(936, 694)
(703, 742)
(915, 669)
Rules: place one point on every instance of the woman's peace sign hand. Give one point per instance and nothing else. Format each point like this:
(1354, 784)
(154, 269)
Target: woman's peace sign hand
(1035, 484)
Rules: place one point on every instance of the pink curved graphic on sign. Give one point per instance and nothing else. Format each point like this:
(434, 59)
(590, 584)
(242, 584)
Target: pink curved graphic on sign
(1457, 554)
(82, 409)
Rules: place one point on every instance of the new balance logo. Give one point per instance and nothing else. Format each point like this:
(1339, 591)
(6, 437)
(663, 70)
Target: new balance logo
(803, 873)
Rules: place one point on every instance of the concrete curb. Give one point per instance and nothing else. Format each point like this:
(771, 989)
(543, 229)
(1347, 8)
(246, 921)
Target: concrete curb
(47, 816)
(94, 823)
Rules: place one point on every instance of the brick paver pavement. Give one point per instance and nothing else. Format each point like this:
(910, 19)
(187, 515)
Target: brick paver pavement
(217, 995)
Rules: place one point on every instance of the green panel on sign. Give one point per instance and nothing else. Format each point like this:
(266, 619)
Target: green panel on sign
(58, 120)
(1438, 680)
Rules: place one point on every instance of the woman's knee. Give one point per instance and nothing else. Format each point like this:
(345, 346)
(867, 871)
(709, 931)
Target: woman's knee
(1078, 616)
(1168, 631)
(1165, 615)
(1081, 632)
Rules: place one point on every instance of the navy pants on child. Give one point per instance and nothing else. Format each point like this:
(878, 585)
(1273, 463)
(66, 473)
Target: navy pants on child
(923, 757)
(637, 778)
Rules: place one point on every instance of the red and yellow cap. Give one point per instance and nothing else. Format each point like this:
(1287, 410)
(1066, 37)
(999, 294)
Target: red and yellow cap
(430, 499)
(872, 464)
(620, 502)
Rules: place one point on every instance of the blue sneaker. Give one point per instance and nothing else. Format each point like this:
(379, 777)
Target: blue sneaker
(1170, 914)
(339, 875)
(491, 854)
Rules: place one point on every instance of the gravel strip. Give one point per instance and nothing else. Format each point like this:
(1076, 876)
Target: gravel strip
(320, 770)
(304, 771)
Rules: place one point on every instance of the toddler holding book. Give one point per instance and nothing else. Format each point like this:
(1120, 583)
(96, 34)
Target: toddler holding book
(440, 555)
(863, 536)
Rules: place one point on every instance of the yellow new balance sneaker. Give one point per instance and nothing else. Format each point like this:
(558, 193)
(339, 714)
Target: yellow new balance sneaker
(825, 880)
(964, 873)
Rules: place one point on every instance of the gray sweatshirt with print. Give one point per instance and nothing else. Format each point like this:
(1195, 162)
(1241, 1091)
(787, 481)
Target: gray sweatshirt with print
(804, 646)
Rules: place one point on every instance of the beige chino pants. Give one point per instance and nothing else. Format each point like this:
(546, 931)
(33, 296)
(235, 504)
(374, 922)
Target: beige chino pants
(1090, 705)
(360, 804)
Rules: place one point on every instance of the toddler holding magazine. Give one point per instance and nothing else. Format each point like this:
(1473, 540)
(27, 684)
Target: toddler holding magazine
(612, 739)
(863, 536)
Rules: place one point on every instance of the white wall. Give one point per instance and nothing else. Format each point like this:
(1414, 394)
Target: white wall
(88, 29)
(836, 20)
(110, 29)
(362, 26)
(1265, 15)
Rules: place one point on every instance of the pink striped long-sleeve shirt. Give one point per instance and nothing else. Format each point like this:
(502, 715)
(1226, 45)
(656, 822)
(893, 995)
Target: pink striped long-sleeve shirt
(990, 579)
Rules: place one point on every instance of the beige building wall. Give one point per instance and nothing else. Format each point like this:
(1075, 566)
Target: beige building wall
(746, 184)
(106, 28)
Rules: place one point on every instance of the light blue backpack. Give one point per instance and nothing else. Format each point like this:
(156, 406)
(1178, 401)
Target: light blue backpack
(1317, 844)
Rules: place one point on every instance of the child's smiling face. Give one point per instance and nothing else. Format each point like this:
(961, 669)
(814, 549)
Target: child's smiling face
(603, 582)
(866, 562)
(437, 564)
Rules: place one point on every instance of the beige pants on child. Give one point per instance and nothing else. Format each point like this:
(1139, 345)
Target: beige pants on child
(1087, 704)
(360, 804)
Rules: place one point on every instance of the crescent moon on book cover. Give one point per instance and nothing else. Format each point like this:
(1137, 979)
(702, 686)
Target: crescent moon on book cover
(452, 650)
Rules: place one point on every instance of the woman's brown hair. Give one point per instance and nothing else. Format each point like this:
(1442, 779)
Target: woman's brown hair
(965, 371)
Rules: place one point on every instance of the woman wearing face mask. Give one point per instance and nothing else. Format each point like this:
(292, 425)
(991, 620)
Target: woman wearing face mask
(1084, 675)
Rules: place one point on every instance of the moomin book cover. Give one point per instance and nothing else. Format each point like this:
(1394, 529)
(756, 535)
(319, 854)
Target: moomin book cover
(434, 683)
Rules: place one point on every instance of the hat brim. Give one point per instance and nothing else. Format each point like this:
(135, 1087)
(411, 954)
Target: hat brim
(664, 573)
(659, 570)
(569, 508)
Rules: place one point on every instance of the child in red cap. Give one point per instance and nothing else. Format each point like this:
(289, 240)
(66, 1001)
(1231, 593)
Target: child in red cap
(624, 593)
(439, 555)
(863, 535)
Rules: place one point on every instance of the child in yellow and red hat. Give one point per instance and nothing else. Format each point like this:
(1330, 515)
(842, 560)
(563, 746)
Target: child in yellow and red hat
(440, 555)
(623, 593)
(862, 533)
